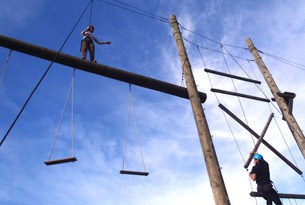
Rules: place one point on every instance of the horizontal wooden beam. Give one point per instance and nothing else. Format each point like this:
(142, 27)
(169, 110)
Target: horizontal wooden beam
(232, 76)
(281, 195)
(239, 95)
(96, 68)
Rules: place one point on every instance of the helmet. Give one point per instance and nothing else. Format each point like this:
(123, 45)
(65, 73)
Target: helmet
(258, 156)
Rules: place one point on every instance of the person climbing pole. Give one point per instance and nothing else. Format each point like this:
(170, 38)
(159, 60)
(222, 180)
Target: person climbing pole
(260, 173)
(88, 44)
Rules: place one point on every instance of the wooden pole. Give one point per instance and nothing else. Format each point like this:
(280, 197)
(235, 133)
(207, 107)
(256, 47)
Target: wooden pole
(96, 68)
(210, 157)
(259, 141)
(289, 118)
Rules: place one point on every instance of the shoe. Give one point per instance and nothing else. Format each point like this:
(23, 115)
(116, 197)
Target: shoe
(94, 61)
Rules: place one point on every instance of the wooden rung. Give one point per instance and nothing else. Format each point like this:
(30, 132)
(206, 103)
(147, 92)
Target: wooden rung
(134, 172)
(240, 95)
(60, 161)
(281, 195)
(232, 76)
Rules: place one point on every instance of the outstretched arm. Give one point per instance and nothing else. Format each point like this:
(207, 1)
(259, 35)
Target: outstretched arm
(101, 43)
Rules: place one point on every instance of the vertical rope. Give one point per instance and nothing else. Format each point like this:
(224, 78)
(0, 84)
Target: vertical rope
(127, 125)
(62, 116)
(138, 134)
(4, 66)
(90, 18)
(72, 111)
(130, 105)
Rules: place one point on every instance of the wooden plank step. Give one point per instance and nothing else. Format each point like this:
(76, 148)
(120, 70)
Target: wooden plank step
(134, 172)
(281, 195)
(60, 161)
(232, 76)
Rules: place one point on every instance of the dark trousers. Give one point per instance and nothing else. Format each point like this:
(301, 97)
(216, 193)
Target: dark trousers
(86, 45)
(269, 194)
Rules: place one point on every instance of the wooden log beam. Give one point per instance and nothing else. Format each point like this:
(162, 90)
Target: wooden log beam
(239, 95)
(231, 76)
(281, 195)
(96, 68)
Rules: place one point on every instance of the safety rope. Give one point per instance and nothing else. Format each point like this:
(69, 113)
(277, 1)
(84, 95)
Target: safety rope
(238, 98)
(130, 105)
(43, 76)
(91, 10)
(4, 67)
(70, 93)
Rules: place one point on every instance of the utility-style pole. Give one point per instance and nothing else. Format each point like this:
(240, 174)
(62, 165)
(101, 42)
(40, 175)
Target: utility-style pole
(210, 157)
(285, 109)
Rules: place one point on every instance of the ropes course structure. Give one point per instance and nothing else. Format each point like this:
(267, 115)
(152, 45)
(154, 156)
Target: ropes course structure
(132, 113)
(223, 51)
(70, 96)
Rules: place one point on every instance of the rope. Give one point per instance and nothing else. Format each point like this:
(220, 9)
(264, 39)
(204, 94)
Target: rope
(43, 76)
(70, 92)
(239, 101)
(72, 111)
(289, 62)
(213, 50)
(136, 128)
(4, 67)
(136, 10)
(127, 125)
(91, 12)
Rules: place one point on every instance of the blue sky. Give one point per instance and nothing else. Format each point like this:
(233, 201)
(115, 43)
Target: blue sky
(169, 138)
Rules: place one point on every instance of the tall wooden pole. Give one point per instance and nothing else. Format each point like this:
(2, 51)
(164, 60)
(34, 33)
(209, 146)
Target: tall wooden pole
(210, 157)
(289, 118)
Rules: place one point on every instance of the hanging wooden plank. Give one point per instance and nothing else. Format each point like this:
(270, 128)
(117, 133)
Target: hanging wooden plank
(60, 161)
(239, 95)
(281, 195)
(232, 76)
(134, 173)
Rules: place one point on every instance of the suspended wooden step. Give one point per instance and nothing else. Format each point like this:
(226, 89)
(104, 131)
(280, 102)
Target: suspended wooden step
(134, 173)
(239, 95)
(124, 171)
(281, 195)
(232, 76)
(60, 161)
